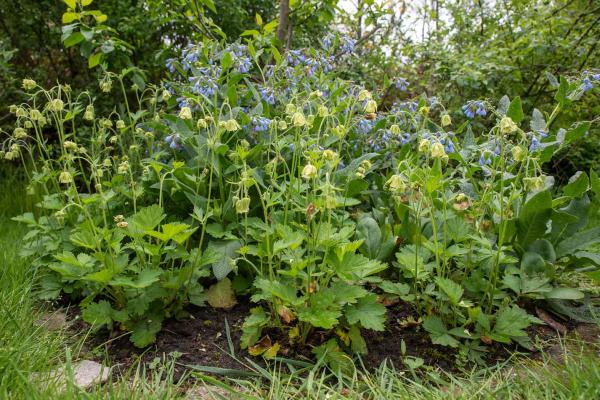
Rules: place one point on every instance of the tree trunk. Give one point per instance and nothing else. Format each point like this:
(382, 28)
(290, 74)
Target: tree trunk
(284, 20)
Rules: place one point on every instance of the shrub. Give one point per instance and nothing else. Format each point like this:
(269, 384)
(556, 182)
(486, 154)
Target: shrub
(268, 174)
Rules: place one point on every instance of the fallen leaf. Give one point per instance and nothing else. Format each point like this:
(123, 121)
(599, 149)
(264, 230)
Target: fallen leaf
(221, 295)
(544, 316)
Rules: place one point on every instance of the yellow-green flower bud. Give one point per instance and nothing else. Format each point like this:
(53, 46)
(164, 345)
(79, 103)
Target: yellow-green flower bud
(185, 113)
(364, 95)
(519, 153)
(56, 105)
(88, 115)
(371, 106)
(446, 120)
(424, 145)
(65, 177)
(437, 150)
(120, 124)
(232, 125)
(242, 206)
(507, 125)
(298, 119)
(396, 184)
(29, 84)
(309, 171)
(290, 109)
(282, 125)
(395, 129)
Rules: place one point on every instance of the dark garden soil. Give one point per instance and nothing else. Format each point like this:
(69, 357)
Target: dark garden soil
(201, 339)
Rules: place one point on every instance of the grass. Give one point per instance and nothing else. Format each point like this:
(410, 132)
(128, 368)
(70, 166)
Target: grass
(27, 349)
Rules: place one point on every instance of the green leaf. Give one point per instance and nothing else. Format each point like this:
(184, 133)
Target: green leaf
(579, 241)
(368, 230)
(576, 133)
(562, 93)
(544, 248)
(98, 314)
(510, 324)
(595, 182)
(515, 110)
(578, 185)
(368, 311)
(451, 289)
(564, 294)
(355, 266)
(438, 332)
(144, 279)
(532, 263)
(226, 60)
(95, 59)
(146, 219)
(71, 3)
(73, 39)
(357, 342)
(144, 332)
(228, 250)
(252, 327)
(86, 3)
(533, 218)
(322, 311)
(538, 123)
(69, 17)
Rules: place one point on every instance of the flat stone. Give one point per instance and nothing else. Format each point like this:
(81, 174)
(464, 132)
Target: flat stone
(86, 373)
(53, 321)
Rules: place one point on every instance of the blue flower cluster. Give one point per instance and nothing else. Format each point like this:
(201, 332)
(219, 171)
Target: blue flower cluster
(402, 84)
(348, 44)
(260, 124)
(587, 82)
(445, 138)
(267, 94)
(474, 107)
(174, 141)
(311, 63)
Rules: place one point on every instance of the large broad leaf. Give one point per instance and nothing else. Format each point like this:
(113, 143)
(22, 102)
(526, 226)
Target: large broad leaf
(368, 311)
(438, 332)
(356, 266)
(98, 314)
(228, 251)
(146, 219)
(579, 241)
(252, 327)
(272, 290)
(533, 218)
(451, 289)
(510, 324)
(144, 279)
(515, 110)
(144, 332)
(368, 230)
(322, 311)
(565, 294)
(578, 185)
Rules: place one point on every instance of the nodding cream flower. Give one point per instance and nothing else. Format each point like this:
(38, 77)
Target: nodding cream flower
(519, 153)
(118, 218)
(371, 107)
(424, 145)
(364, 95)
(535, 184)
(437, 150)
(120, 124)
(29, 84)
(122, 224)
(19, 133)
(396, 184)
(329, 155)
(166, 95)
(202, 124)
(446, 120)
(56, 105)
(65, 177)
(282, 125)
(106, 85)
(424, 110)
(35, 115)
(298, 119)
(28, 124)
(231, 125)
(340, 131)
(185, 113)
(107, 163)
(20, 112)
(507, 125)
(395, 129)
(323, 111)
(290, 108)
(309, 171)
(88, 115)
(242, 206)
(123, 168)
(69, 145)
